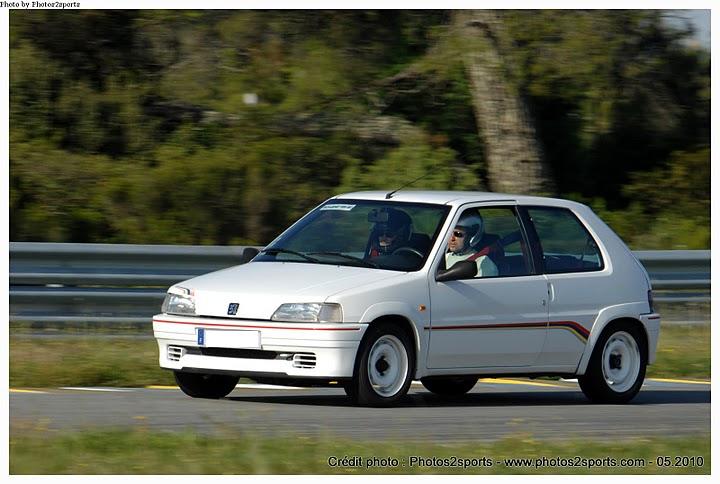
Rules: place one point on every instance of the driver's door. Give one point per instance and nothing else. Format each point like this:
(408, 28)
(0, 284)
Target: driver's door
(498, 321)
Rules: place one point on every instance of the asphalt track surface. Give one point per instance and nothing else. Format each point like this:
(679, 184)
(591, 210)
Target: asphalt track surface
(493, 409)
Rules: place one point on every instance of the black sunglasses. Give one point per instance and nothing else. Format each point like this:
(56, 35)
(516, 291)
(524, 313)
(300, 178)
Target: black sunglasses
(458, 234)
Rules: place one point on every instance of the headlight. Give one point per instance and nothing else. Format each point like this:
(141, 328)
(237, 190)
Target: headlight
(309, 313)
(179, 300)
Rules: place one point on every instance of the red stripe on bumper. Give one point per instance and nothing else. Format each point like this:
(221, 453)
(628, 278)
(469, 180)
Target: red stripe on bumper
(253, 326)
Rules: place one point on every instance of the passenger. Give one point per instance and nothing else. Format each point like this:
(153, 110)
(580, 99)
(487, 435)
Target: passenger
(387, 237)
(464, 245)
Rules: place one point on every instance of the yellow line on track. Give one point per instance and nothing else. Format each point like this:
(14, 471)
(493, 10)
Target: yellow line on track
(499, 381)
(673, 380)
(507, 381)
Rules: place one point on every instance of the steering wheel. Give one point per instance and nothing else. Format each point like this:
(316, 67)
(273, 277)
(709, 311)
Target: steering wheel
(408, 249)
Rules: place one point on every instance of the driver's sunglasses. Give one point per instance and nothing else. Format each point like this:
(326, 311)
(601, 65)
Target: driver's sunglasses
(458, 234)
(388, 233)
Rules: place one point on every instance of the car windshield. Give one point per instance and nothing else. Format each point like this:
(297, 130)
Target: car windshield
(379, 234)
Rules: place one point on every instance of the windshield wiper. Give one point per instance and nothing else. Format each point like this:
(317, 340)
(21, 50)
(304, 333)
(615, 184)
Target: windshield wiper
(278, 250)
(349, 257)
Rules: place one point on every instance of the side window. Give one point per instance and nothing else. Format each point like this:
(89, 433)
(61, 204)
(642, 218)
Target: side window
(566, 244)
(493, 239)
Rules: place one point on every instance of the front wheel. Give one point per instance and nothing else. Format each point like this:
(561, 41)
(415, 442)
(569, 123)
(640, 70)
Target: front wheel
(384, 368)
(449, 386)
(616, 370)
(198, 385)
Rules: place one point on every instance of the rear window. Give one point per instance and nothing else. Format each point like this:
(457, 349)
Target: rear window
(565, 243)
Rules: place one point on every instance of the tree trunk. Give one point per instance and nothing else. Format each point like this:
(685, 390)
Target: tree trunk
(513, 155)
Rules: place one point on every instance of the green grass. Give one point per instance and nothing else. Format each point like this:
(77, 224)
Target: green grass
(85, 361)
(145, 452)
(683, 351)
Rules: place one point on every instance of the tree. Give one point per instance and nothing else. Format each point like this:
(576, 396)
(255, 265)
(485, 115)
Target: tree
(514, 158)
(133, 127)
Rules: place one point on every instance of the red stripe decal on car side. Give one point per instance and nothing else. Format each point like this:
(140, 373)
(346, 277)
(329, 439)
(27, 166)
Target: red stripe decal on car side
(579, 329)
(572, 324)
(253, 326)
(493, 326)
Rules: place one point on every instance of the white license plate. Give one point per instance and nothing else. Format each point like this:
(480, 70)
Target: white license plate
(228, 338)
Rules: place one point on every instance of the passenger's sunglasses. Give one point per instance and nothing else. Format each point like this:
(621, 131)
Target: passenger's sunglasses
(458, 234)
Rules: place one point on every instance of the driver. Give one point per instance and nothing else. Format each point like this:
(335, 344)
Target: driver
(389, 236)
(468, 232)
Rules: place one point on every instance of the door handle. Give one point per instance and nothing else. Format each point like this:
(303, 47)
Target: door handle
(551, 291)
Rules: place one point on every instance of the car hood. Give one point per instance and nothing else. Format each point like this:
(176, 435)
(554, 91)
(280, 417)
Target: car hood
(259, 288)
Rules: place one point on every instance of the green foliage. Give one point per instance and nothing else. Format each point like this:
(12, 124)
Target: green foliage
(677, 200)
(92, 45)
(132, 126)
(408, 162)
(671, 208)
(613, 92)
(55, 196)
(34, 82)
(315, 76)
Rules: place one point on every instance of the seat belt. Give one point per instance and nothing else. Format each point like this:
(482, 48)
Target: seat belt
(477, 255)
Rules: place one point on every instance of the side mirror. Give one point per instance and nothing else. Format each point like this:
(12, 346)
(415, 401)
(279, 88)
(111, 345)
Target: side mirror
(464, 269)
(248, 254)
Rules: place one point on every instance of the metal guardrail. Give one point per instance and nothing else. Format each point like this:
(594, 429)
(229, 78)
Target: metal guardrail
(677, 269)
(103, 283)
(109, 283)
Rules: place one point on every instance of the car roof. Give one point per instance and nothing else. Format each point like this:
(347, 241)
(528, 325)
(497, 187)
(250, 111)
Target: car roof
(455, 197)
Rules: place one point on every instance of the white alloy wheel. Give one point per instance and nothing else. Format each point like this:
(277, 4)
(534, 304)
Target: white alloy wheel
(620, 362)
(387, 365)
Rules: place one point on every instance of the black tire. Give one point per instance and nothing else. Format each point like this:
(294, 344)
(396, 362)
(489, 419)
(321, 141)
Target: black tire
(600, 387)
(388, 381)
(449, 386)
(198, 385)
(350, 390)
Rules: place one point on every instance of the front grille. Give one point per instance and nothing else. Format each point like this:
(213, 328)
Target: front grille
(174, 353)
(232, 353)
(304, 360)
(299, 360)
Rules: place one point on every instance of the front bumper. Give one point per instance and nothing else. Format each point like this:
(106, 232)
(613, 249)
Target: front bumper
(297, 350)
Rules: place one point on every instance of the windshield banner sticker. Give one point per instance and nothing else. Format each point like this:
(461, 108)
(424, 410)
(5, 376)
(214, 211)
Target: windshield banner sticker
(338, 206)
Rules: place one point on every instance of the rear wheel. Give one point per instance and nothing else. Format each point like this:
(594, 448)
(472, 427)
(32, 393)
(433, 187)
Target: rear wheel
(198, 385)
(616, 370)
(449, 386)
(385, 367)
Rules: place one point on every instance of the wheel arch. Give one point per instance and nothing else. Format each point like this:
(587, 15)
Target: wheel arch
(599, 329)
(402, 322)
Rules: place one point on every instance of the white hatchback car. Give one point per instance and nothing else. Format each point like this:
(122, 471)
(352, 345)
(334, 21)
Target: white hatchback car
(371, 290)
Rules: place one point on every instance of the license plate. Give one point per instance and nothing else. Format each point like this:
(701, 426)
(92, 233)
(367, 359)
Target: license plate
(231, 338)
